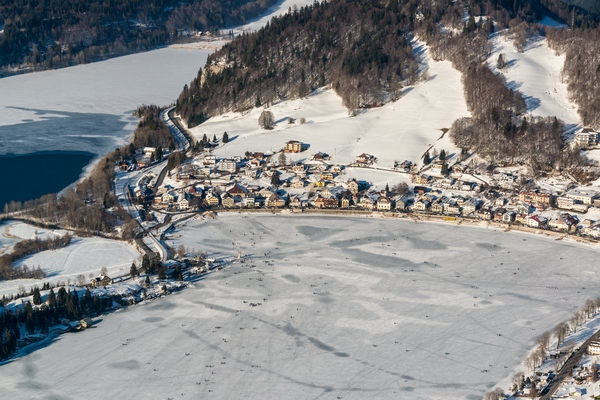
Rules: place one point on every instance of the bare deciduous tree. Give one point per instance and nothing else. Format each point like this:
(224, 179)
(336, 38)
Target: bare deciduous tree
(266, 119)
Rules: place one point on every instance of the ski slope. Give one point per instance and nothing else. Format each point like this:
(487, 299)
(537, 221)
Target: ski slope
(335, 307)
(536, 72)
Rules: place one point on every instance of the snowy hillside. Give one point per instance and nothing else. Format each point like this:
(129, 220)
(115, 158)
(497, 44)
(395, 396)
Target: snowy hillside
(536, 72)
(338, 307)
(402, 130)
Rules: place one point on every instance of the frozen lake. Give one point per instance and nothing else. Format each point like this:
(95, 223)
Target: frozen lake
(338, 307)
(87, 108)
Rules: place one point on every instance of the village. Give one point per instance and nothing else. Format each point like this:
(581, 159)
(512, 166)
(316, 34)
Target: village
(445, 186)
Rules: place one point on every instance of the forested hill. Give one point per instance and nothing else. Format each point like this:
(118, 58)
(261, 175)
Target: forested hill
(40, 34)
(361, 48)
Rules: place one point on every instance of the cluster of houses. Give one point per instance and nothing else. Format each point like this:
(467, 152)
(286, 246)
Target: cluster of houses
(260, 180)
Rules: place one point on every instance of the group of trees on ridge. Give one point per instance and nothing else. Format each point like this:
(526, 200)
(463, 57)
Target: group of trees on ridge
(50, 34)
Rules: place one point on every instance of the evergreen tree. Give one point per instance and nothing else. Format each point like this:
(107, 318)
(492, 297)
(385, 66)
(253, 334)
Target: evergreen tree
(426, 158)
(145, 263)
(275, 181)
(442, 155)
(214, 139)
(387, 188)
(51, 299)
(445, 169)
(133, 270)
(225, 137)
(37, 297)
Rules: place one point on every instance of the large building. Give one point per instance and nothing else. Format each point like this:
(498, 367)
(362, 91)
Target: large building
(293, 146)
(586, 137)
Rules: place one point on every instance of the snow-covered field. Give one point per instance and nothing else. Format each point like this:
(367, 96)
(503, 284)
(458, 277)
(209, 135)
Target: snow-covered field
(88, 107)
(82, 256)
(402, 130)
(338, 307)
(536, 72)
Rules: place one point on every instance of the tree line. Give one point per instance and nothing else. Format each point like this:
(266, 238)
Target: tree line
(581, 70)
(48, 311)
(51, 34)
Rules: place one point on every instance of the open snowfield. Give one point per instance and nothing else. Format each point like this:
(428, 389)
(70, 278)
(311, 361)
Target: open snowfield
(82, 256)
(88, 107)
(402, 130)
(408, 311)
(536, 72)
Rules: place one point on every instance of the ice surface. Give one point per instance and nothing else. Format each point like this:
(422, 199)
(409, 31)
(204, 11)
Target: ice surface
(88, 107)
(350, 307)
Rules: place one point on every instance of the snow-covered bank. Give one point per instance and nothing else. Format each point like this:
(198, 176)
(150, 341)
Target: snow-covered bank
(404, 309)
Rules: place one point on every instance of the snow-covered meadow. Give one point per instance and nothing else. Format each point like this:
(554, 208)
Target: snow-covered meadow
(82, 256)
(334, 307)
(402, 130)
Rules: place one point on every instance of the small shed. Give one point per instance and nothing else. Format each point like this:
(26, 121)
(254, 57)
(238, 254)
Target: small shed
(86, 322)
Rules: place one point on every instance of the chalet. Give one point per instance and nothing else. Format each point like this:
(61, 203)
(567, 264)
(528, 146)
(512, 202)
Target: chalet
(293, 146)
(168, 197)
(402, 203)
(298, 183)
(586, 137)
(470, 206)
(345, 201)
(508, 217)
(320, 183)
(274, 201)
(536, 221)
(500, 202)
(485, 214)
(452, 208)
(320, 156)
(212, 200)
(437, 207)
(237, 191)
(227, 201)
(366, 203)
(101, 280)
(352, 186)
(365, 159)
(498, 214)
(421, 179)
(298, 202)
(467, 186)
(326, 202)
(383, 204)
(405, 166)
(558, 224)
(421, 205)
(537, 198)
(209, 159)
(336, 169)
(328, 176)
(299, 169)
(183, 204)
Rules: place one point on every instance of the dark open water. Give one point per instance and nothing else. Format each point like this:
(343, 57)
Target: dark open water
(29, 176)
